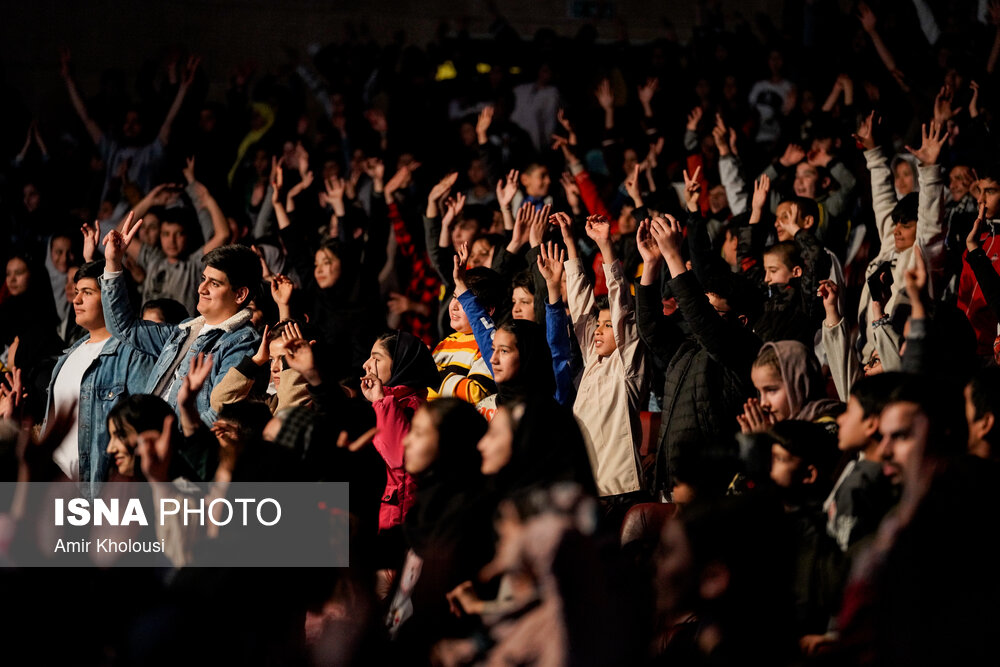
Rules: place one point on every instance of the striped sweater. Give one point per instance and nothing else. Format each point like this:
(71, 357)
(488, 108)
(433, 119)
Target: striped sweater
(464, 372)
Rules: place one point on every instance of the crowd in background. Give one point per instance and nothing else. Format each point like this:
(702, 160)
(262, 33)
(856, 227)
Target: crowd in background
(662, 353)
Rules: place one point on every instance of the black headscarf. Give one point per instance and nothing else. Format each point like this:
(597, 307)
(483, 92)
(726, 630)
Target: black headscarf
(447, 491)
(412, 363)
(547, 449)
(534, 378)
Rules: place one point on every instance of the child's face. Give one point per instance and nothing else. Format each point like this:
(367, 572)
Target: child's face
(773, 394)
(989, 192)
(497, 445)
(536, 183)
(506, 359)
(172, 239)
(464, 231)
(480, 254)
(604, 336)
(776, 272)
(785, 215)
(854, 430)
(523, 306)
(730, 247)
(420, 445)
(904, 234)
(806, 178)
(458, 319)
(786, 469)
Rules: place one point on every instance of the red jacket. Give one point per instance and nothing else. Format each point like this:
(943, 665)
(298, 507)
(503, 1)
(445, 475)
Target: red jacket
(971, 300)
(393, 415)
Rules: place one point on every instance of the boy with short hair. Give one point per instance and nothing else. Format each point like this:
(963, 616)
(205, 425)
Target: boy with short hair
(862, 494)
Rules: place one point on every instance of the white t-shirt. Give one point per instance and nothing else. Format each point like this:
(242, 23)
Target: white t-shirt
(65, 391)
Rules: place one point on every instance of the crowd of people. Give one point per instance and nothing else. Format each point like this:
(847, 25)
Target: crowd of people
(660, 353)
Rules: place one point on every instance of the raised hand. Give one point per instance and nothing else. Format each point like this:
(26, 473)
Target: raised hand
(399, 303)
(974, 100)
(506, 189)
(295, 190)
(866, 132)
(538, 224)
(943, 111)
(571, 189)
(155, 451)
(789, 224)
(190, 70)
(605, 96)
(189, 169)
(761, 189)
(932, 139)
(522, 227)
(646, 244)
(819, 157)
(461, 260)
(116, 243)
(668, 235)
(915, 277)
(692, 189)
(647, 91)
(299, 354)
(198, 371)
(281, 289)
(972, 240)
(632, 187)
(792, 156)
(694, 118)
(550, 263)
(443, 186)
(399, 180)
(277, 181)
(570, 134)
(91, 237)
(720, 133)
(599, 230)
(371, 386)
(12, 394)
(867, 17)
(263, 353)
(566, 229)
(829, 291)
(483, 123)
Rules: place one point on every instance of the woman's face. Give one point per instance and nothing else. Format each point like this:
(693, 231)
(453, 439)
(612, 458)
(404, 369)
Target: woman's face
(497, 444)
(523, 307)
(31, 198)
(18, 276)
(480, 254)
(506, 359)
(772, 390)
(61, 252)
(327, 268)
(420, 446)
(379, 363)
(122, 448)
(149, 233)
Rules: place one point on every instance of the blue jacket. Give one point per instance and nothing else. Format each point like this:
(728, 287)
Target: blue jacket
(228, 344)
(119, 371)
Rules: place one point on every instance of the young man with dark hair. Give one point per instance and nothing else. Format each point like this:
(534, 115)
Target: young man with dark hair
(94, 374)
(982, 411)
(230, 279)
(862, 495)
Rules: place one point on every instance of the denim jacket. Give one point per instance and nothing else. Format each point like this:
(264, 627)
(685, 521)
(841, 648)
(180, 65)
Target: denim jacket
(228, 344)
(118, 371)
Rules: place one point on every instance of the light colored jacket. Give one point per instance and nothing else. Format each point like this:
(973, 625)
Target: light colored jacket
(930, 235)
(608, 401)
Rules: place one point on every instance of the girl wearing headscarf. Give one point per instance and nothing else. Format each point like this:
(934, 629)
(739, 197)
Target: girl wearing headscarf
(787, 376)
(448, 530)
(398, 373)
(522, 366)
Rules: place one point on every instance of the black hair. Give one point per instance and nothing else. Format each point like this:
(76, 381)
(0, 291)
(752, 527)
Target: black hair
(525, 280)
(241, 266)
(990, 172)
(984, 390)
(140, 412)
(486, 284)
(945, 411)
(89, 270)
(601, 302)
(388, 341)
(872, 392)
(788, 252)
(249, 416)
(906, 209)
(173, 311)
(808, 208)
(811, 442)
